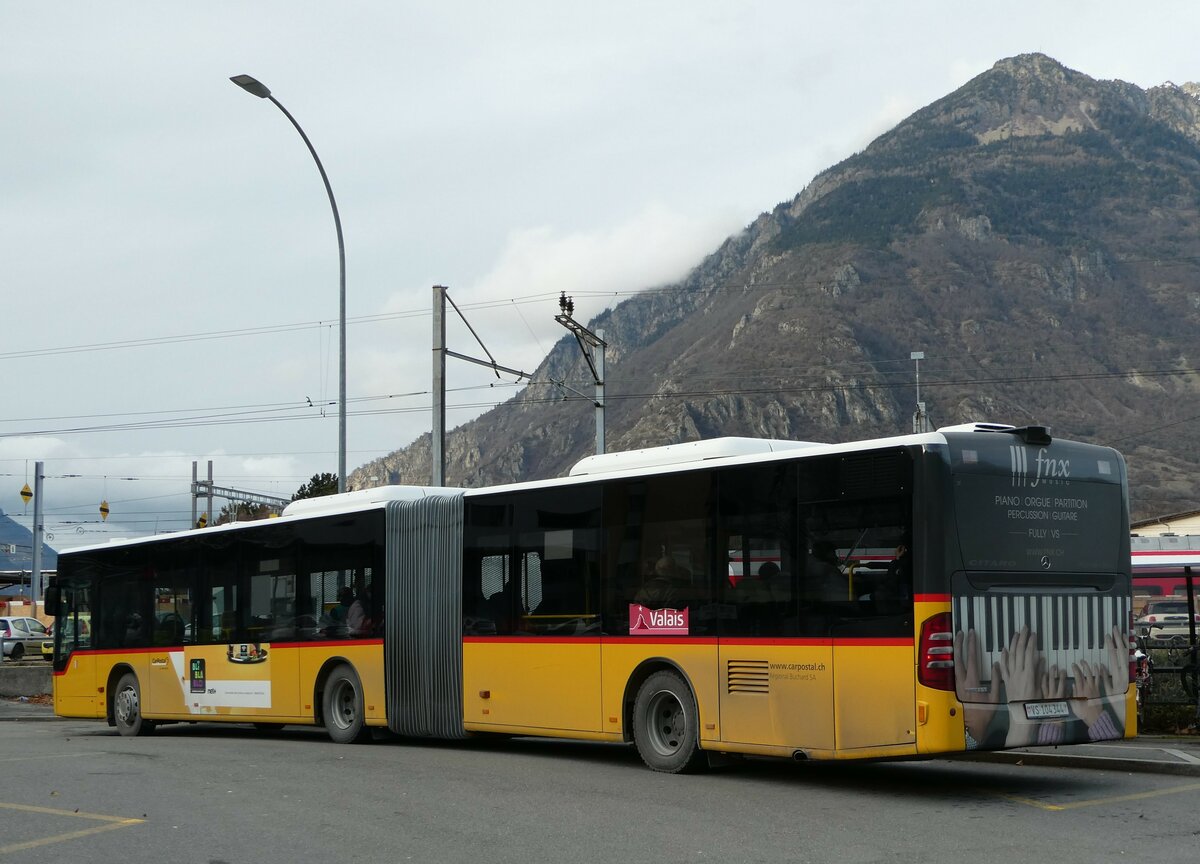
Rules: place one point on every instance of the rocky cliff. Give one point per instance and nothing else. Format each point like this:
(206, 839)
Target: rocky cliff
(1036, 233)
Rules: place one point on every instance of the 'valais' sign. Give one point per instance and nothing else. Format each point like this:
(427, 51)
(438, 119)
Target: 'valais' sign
(657, 622)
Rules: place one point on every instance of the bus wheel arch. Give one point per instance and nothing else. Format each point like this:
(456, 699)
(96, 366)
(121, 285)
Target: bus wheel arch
(662, 717)
(125, 703)
(342, 706)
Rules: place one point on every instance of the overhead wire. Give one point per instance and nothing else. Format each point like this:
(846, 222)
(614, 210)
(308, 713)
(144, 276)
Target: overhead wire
(682, 286)
(256, 415)
(271, 412)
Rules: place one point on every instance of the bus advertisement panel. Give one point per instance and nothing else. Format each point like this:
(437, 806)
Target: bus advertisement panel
(1042, 606)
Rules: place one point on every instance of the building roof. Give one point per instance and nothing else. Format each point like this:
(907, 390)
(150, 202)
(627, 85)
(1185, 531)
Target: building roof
(1165, 519)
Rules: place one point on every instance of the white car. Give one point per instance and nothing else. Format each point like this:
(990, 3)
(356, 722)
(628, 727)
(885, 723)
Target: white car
(1165, 622)
(21, 636)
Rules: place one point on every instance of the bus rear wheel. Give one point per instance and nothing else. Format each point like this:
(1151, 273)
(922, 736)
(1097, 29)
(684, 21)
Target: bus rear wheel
(666, 725)
(127, 707)
(345, 719)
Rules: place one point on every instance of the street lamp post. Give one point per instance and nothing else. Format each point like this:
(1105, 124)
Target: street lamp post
(920, 419)
(252, 85)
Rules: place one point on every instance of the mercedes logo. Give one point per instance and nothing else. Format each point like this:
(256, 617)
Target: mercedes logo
(1045, 562)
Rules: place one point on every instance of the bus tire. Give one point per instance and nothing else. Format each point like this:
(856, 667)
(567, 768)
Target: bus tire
(127, 708)
(666, 725)
(345, 719)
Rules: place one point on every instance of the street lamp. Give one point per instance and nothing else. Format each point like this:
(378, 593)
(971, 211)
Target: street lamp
(920, 419)
(252, 85)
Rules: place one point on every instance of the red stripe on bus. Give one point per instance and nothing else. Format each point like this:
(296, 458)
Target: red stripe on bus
(96, 652)
(319, 644)
(799, 641)
(533, 640)
(931, 598)
(588, 640)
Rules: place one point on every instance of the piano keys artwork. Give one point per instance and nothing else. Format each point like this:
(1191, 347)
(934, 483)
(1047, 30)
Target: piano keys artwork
(1056, 663)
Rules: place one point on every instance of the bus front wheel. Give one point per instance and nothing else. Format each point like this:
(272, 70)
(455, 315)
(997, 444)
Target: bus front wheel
(666, 725)
(344, 715)
(127, 707)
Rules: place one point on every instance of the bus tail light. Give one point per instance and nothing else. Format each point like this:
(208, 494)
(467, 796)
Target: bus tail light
(936, 653)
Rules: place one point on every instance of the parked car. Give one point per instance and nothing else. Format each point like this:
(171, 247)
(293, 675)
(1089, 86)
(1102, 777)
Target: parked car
(68, 625)
(1164, 622)
(21, 636)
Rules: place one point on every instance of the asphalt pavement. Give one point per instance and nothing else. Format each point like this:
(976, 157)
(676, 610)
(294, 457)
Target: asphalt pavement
(1155, 754)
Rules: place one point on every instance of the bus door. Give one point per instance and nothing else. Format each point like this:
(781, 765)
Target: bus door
(775, 665)
(225, 663)
(874, 658)
(537, 666)
(531, 611)
(76, 694)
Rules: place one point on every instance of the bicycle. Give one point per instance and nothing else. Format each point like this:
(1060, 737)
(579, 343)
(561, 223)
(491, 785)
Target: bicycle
(1143, 679)
(1189, 670)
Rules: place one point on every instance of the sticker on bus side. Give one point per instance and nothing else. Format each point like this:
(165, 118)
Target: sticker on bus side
(247, 653)
(197, 676)
(657, 622)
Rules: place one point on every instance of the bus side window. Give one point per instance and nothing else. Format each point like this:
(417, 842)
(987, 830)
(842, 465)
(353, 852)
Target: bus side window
(487, 594)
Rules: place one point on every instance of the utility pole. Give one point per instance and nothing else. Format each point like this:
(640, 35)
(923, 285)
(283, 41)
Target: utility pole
(203, 489)
(920, 418)
(438, 440)
(592, 345)
(440, 353)
(39, 529)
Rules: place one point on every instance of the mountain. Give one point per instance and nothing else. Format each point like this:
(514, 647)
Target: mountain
(1036, 233)
(14, 534)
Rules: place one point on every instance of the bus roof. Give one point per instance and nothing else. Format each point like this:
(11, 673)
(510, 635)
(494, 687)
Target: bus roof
(363, 499)
(347, 502)
(670, 458)
(716, 452)
(691, 451)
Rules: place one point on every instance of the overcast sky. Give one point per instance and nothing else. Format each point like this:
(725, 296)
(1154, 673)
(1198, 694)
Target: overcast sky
(168, 253)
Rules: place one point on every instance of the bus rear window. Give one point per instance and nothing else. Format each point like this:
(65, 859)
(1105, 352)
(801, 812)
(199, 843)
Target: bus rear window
(1025, 508)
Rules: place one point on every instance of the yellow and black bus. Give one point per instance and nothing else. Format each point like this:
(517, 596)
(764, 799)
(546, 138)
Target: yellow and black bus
(899, 597)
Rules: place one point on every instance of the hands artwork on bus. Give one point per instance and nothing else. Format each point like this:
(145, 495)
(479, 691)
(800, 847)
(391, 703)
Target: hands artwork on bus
(1043, 704)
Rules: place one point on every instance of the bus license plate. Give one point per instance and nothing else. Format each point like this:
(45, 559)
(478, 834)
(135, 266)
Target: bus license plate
(1046, 710)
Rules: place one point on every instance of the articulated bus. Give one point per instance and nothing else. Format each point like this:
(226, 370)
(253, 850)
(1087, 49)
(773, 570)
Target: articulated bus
(896, 598)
